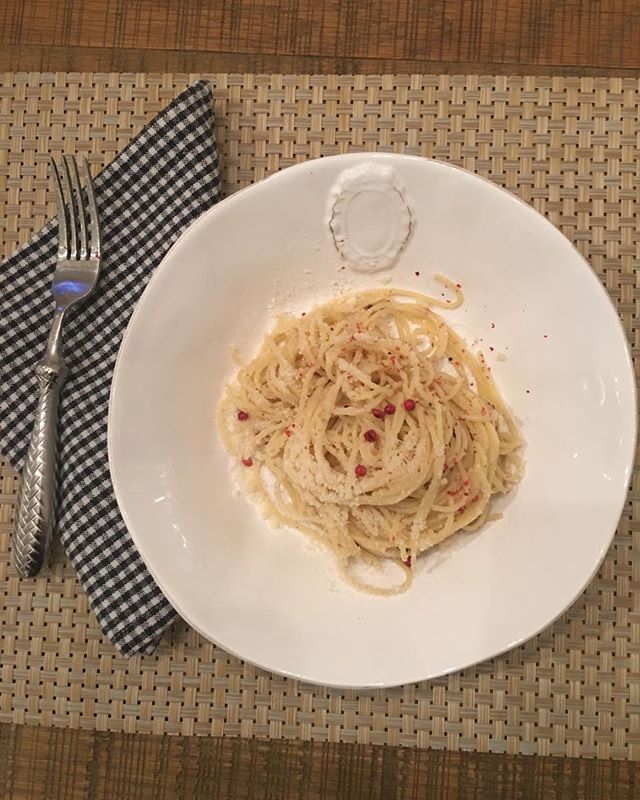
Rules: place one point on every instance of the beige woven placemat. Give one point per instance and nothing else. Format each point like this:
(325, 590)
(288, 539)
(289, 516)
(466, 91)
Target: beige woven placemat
(567, 146)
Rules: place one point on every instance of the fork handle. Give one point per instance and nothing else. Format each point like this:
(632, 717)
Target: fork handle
(36, 497)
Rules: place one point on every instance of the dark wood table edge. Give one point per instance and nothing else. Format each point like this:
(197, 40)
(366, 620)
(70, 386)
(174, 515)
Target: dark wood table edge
(52, 58)
(83, 764)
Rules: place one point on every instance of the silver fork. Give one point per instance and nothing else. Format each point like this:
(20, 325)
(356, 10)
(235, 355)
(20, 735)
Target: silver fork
(75, 277)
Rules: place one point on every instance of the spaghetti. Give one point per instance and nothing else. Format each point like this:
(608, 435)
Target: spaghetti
(368, 424)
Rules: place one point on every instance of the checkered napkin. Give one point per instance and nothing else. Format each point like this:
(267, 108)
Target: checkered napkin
(163, 181)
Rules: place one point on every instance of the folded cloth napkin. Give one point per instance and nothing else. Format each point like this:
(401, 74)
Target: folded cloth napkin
(164, 179)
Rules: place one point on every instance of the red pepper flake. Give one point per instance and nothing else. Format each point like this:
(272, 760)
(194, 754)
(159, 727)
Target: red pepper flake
(361, 470)
(370, 435)
(288, 432)
(243, 416)
(458, 286)
(378, 413)
(407, 562)
(453, 492)
(465, 483)
(417, 273)
(389, 409)
(248, 462)
(409, 405)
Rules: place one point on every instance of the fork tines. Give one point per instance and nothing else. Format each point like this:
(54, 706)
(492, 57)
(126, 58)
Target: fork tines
(75, 239)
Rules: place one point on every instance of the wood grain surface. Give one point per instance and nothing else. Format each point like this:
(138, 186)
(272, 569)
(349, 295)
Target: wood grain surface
(336, 36)
(48, 764)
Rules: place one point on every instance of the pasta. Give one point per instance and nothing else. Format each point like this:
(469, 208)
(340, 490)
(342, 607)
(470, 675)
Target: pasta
(368, 424)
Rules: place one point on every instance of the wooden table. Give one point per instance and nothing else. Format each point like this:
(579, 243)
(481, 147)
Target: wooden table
(373, 36)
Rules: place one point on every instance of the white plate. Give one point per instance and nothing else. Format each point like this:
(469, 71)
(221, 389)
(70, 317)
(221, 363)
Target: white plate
(269, 595)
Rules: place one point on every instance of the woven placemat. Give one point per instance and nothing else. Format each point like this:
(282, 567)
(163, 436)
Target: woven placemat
(567, 146)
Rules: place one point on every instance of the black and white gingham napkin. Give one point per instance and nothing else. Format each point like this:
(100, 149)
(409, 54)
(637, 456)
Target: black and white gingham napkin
(164, 180)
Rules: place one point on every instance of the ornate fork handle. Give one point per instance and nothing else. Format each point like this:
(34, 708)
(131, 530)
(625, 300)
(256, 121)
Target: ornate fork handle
(36, 498)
